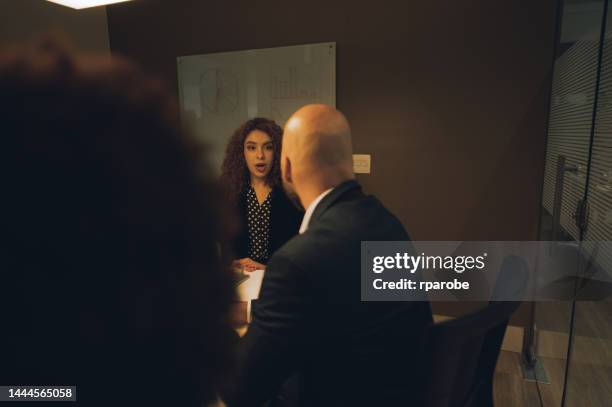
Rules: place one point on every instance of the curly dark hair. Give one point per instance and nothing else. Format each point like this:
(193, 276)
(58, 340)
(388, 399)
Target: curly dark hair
(234, 171)
(111, 273)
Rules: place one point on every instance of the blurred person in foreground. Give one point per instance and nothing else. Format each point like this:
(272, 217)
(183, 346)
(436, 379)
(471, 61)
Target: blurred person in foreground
(309, 319)
(111, 276)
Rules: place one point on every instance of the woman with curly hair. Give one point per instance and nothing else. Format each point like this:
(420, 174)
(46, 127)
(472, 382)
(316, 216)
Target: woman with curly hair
(251, 175)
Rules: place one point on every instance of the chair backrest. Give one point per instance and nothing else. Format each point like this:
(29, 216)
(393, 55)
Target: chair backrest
(461, 354)
(511, 283)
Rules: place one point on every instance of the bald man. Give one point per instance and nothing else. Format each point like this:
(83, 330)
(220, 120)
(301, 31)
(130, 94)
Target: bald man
(309, 318)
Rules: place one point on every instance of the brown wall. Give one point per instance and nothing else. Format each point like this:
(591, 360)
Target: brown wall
(449, 97)
(21, 20)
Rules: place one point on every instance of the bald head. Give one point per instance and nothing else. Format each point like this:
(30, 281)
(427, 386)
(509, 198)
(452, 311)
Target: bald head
(317, 148)
(319, 137)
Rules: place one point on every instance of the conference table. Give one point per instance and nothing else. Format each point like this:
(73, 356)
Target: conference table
(249, 290)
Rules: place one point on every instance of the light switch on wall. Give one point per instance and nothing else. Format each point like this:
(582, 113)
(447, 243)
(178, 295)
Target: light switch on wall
(361, 163)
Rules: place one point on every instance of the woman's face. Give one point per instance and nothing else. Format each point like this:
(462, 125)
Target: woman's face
(258, 153)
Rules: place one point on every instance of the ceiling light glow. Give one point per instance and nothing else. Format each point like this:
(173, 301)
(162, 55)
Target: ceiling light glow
(79, 4)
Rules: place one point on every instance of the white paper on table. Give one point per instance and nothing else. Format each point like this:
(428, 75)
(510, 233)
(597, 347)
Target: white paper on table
(249, 289)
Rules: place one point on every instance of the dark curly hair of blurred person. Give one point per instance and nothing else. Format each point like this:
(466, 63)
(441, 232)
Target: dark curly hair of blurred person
(111, 276)
(234, 171)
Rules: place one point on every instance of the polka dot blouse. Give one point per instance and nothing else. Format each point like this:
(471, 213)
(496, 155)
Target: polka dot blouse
(259, 226)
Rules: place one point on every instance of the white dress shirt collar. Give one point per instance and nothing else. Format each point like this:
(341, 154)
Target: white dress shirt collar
(311, 208)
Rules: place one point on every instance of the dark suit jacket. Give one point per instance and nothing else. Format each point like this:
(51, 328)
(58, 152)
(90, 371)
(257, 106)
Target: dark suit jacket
(285, 222)
(310, 319)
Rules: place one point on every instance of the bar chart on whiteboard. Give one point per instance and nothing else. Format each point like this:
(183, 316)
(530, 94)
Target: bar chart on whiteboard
(287, 84)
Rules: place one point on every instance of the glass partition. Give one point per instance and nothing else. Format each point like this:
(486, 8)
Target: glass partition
(567, 350)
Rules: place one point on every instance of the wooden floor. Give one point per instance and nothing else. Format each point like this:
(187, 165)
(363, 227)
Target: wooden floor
(509, 388)
(590, 376)
(589, 384)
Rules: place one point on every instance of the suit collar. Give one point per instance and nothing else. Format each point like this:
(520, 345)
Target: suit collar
(311, 208)
(332, 197)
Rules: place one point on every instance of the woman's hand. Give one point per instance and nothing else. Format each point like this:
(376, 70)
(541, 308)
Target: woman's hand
(249, 265)
(236, 265)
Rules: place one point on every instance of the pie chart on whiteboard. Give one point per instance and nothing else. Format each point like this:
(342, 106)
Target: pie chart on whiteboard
(219, 91)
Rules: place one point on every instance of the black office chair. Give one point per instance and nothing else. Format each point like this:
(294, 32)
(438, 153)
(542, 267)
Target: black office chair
(461, 354)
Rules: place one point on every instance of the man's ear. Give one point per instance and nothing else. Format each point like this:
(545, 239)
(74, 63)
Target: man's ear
(286, 170)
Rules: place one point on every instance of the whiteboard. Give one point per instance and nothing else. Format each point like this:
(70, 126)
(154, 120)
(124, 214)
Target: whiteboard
(219, 92)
